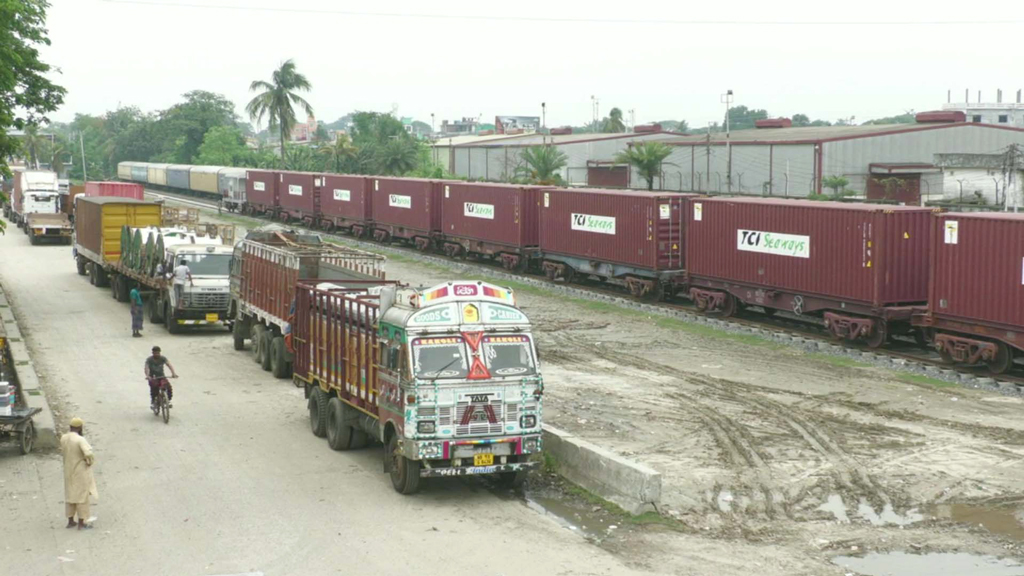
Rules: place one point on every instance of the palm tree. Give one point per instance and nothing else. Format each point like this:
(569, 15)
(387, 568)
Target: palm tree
(302, 159)
(542, 163)
(647, 158)
(614, 122)
(339, 152)
(56, 153)
(275, 102)
(32, 144)
(398, 157)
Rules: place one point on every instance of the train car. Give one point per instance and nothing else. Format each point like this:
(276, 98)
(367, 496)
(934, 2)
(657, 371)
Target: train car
(231, 187)
(202, 180)
(140, 172)
(407, 210)
(634, 237)
(178, 176)
(861, 268)
(299, 197)
(499, 221)
(157, 174)
(124, 170)
(345, 204)
(975, 311)
(261, 192)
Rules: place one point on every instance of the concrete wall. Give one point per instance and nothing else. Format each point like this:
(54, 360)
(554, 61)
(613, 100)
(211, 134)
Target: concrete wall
(756, 168)
(980, 182)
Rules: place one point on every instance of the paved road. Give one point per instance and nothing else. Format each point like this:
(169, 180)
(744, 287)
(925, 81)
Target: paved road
(236, 483)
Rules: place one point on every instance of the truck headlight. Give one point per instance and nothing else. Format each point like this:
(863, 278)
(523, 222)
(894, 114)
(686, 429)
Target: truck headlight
(430, 450)
(425, 427)
(529, 421)
(531, 444)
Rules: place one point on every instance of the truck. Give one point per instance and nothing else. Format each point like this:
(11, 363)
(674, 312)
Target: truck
(36, 207)
(265, 270)
(446, 377)
(121, 243)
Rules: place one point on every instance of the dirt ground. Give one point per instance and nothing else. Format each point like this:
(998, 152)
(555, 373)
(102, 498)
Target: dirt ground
(772, 457)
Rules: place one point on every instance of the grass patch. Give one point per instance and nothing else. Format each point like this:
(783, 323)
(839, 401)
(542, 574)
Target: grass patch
(715, 333)
(923, 380)
(840, 361)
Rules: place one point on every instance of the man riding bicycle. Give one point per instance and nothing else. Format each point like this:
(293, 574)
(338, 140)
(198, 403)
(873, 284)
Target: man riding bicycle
(155, 374)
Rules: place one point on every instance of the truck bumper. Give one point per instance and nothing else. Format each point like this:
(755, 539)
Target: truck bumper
(201, 318)
(476, 470)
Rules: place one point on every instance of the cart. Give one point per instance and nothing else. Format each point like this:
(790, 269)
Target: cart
(19, 424)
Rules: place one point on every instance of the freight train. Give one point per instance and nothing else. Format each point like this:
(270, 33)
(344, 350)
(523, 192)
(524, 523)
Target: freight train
(866, 272)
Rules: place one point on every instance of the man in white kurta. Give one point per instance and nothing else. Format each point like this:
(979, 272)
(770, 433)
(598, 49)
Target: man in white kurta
(79, 485)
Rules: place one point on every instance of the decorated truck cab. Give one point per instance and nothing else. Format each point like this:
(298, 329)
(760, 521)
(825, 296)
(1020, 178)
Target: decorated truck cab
(447, 378)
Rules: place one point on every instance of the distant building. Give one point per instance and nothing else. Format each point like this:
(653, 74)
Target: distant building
(459, 127)
(516, 124)
(998, 112)
(304, 132)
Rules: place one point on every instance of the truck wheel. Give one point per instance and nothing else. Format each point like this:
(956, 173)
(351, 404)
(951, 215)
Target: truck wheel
(102, 278)
(513, 480)
(171, 321)
(256, 335)
(265, 340)
(339, 434)
(278, 362)
(154, 311)
(405, 473)
(80, 264)
(318, 413)
(124, 288)
(238, 333)
(92, 274)
(360, 439)
(33, 239)
(114, 281)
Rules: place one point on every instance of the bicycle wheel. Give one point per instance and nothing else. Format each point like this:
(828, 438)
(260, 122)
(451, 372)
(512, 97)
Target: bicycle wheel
(165, 406)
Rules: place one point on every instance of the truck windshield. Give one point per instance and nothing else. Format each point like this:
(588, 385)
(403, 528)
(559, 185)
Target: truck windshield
(509, 355)
(42, 198)
(206, 264)
(442, 357)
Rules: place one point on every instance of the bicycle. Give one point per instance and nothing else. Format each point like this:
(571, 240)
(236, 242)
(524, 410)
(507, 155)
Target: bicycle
(162, 406)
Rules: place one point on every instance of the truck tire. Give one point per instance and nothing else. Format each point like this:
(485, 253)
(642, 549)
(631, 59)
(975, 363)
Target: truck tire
(32, 239)
(102, 278)
(360, 439)
(80, 264)
(405, 473)
(114, 286)
(92, 274)
(171, 320)
(154, 311)
(278, 361)
(339, 434)
(265, 339)
(238, 334)
(318, 413)
(124, 288)
(256, 335)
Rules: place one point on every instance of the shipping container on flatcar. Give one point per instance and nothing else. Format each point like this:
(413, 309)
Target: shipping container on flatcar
(115, 189)
(634, 237)
(495, 220)
(261, 192)
(124, 170)
(406, 209)
(862, 268)
(140, 172)
(345, 204)
(157, 174)
(203, 179)
(231, 187)
(177, 176)
(299, 196)
(976, 296)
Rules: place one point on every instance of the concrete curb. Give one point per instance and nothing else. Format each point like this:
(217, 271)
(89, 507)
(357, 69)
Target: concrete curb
(28, 381)
(634, 487)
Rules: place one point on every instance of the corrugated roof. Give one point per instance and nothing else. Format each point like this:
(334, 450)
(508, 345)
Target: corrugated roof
(535, 139)
(818, 133)
(474, 139)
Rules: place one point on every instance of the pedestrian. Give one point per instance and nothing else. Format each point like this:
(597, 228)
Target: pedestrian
(136, 302)
(180, 274)
(79, 485)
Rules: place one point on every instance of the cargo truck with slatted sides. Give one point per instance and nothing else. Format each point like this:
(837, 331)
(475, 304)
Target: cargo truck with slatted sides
(446, 378)
(121, 243)
(266, 268)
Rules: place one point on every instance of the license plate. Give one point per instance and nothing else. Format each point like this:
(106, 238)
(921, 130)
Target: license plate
(483, 459)
(212, 317)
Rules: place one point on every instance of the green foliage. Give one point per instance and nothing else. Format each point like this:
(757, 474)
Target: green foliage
(802, 120)
(835, 183)
(908, 118)
(647, 158)
(341, 155)
(614, 123)
(186, 124)
(223, 146)
(398, 157)
(302, 159)
(32, 144)
(275, 100)
(384, 147)
(541, 165)
(743, 118)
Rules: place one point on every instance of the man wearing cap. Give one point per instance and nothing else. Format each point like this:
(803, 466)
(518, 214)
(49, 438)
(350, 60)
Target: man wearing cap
(79, 484)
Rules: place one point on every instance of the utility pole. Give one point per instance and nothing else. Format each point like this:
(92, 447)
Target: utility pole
(708, 141)
(727, 99)
(81, 142)
(543, 115)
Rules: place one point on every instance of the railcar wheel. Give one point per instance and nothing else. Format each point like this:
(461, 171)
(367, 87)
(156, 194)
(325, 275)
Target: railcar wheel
(879, 336)
(1003, 360)
(728, 306)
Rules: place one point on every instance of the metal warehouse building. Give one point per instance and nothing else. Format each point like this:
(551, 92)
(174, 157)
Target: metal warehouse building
(589, 155)
(896, 162)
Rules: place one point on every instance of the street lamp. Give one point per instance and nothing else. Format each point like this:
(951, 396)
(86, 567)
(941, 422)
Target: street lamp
(727, 100)
(543, 116)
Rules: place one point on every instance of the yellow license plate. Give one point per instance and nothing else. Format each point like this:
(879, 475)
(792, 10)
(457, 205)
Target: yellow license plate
(212, 317)
(483, 459)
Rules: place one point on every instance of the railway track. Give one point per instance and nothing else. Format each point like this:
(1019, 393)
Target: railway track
(781, 322)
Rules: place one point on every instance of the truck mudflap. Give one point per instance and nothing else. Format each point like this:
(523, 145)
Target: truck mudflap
(476, 470)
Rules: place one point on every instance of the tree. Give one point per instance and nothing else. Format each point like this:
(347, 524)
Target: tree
(302, 159)
(384, 145)
(906, 118)
(835, 183)
(398, 157)
(186, 124)
(541, 165)
(743, 118)
(683, 126)
(341, 153)
(800, 120)
(56, 153)
(614, 121)
(32, 143)
(647, 158)
(222, 146)
(320, 134)
(275, 102)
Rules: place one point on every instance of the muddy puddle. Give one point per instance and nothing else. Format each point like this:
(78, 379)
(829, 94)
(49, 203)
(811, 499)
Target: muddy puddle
(946, 564)
(576, 516)
(1001, 520)
(884, 516)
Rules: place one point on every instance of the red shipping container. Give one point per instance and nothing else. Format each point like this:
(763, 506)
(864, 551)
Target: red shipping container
(641, 230)
(978, 268)
(261, 191)
(115, 189)
(298, 193)
(405, 208)
(871, 254)
(345, 202)
(493, 216)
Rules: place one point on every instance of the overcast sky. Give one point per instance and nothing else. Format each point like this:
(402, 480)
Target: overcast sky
(649, 57)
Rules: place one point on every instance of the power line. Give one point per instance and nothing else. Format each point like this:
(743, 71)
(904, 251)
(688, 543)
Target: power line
(421, 15)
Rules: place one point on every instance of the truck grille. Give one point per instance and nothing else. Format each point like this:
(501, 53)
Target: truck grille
(201, 301)
(479, 422)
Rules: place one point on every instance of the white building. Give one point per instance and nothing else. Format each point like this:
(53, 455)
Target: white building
(998, 112)
(992, 179)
